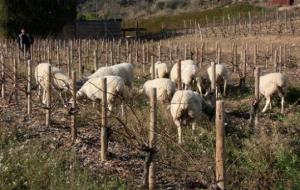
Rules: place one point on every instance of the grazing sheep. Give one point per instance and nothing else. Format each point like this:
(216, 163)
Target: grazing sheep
(59, 80)
(188, 73)
(124, 70)
(165, 89)
(161, 70)
(93, 90)
(271, 83)
(188, 106)
(204, 80)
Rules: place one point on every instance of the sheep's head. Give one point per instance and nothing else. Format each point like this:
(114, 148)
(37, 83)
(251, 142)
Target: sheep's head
(203, 84)
(208, 105)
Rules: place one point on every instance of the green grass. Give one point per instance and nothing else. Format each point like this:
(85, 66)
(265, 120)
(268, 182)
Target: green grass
(30, 164)
(153, 24)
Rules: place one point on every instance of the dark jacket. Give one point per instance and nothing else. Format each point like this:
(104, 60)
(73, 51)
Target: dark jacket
(25, 40)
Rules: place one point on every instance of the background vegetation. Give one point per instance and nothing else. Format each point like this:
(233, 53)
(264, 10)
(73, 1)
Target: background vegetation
(40, 17)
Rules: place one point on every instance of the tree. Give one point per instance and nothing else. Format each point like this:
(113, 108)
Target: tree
(40, 17)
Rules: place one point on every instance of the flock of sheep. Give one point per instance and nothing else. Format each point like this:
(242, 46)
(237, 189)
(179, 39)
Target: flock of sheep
(186, 106)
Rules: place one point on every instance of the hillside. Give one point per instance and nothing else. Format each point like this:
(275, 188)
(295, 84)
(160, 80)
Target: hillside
(97, 9)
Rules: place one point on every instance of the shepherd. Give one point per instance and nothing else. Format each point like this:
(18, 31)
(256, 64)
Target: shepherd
(25, 40)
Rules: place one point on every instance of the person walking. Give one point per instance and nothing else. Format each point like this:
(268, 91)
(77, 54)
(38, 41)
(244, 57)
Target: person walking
(25, 40)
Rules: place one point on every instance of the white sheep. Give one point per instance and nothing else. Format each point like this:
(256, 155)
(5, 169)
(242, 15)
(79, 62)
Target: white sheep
(271, 83)
(124, 70)
(188, 106)
(222, 77)
(188, 73)
(93, 90)
(161, 70)
(165, 89)
(59, 80)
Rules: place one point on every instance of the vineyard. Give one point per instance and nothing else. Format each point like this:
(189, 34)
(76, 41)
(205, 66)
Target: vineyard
(136, 146)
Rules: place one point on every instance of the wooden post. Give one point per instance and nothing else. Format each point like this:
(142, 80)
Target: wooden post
(284, 58)
(127, 49)
(57, 55)
(256, 92)
(245, 63)
(73, 107)
(129, 58)
(71, 56)
(159, 52)
(170, 56)
(185, 51)
(95, 60)
(118, 53)
(68, 62)
(111, 57)
(255, 56)
(219, 54)
(217, 51)
(257, 74)
(202, 55)
(250, 22)
(179, 85)
(153, 74)
(29, 105)
(143, 58)
(196, 57)
(280, 59)
(220, 146)
(49, 53)
(79, 63)
(152, 138)
(275, 61)
(213, 78)
(16, 81)
(48, 94)
(235, 58)
(104, 141)
(2, 77)
(88, 52)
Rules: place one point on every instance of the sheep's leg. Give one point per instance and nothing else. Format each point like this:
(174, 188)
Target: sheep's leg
(282, 102)
(39, 92)
(44, 101)
(122, 110)
(186, 86)
(225, 86)
(61, 98)
(193, 130)
(200, 90)
(268, 100)
(179, 130)
(217, 91)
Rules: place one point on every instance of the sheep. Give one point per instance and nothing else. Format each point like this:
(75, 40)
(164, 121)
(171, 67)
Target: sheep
(188, 73)
(271, 83)
(161, 70)
(188, 106)
(124, 70)
(93, 90)
(288, 8)
(204, 79)
(165, 88)
(59, 80)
